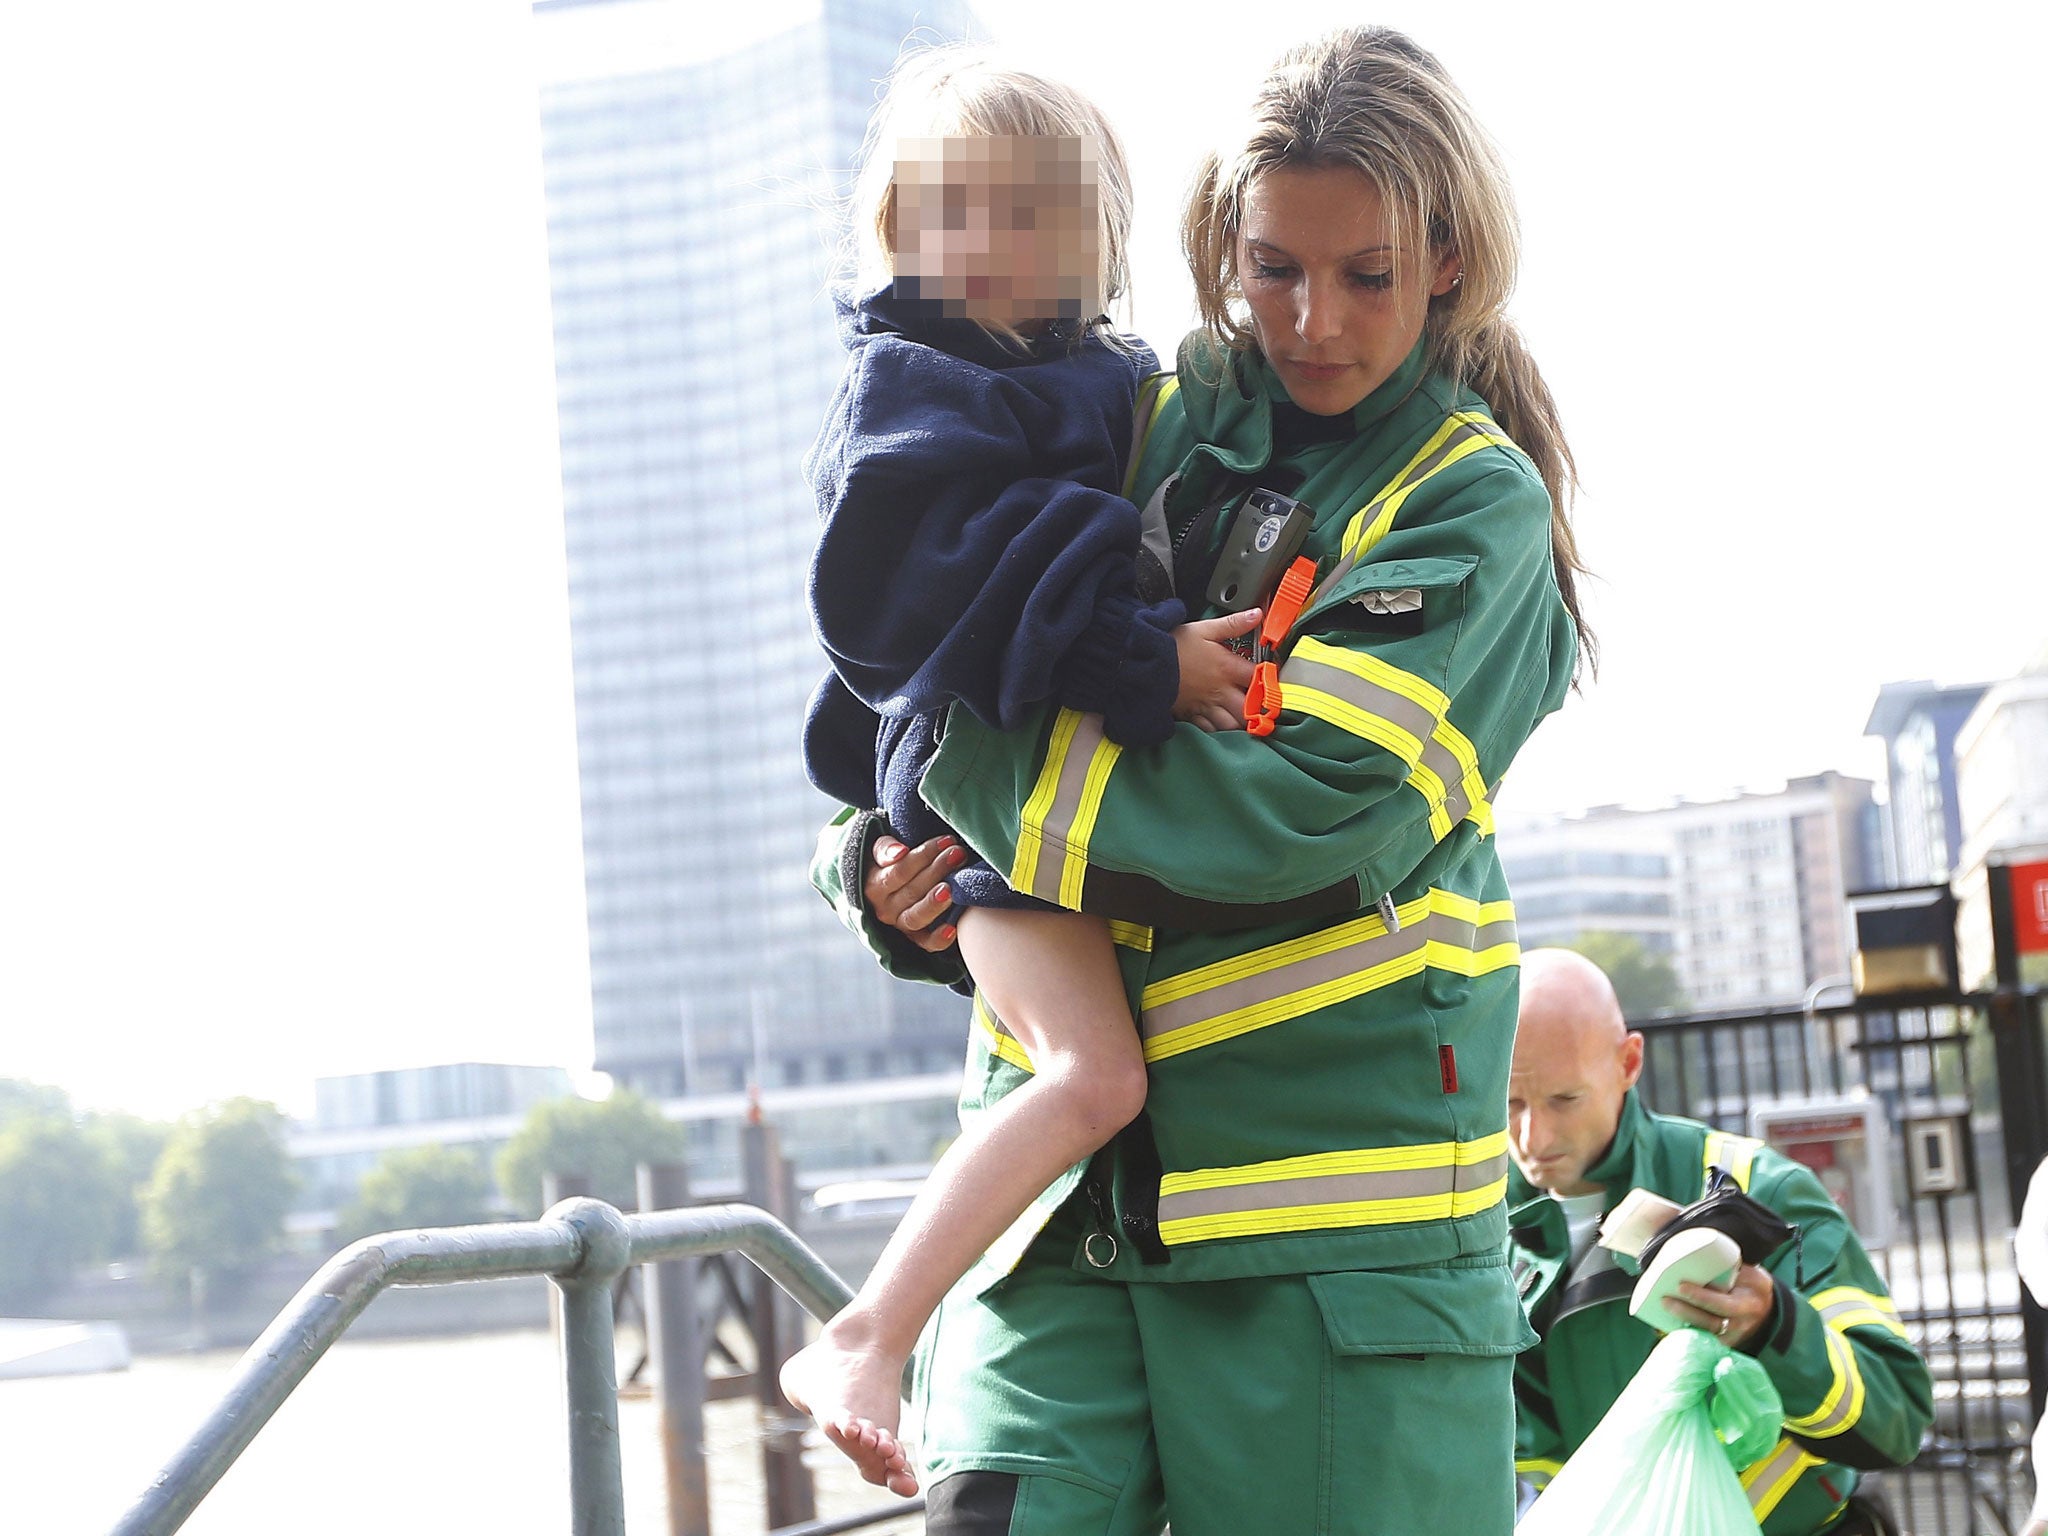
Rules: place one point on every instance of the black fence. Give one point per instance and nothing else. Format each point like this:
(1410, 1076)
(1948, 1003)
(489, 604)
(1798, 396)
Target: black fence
(1957, 1112)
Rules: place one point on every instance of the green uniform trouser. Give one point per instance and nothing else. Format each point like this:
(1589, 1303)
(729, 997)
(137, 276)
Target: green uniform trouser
(1059, 1404)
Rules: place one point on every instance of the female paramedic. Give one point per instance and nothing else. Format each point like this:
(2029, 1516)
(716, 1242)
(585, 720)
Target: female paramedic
(1279, 1300)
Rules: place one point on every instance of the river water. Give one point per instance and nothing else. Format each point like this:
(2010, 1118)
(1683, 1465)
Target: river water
(435, 1435)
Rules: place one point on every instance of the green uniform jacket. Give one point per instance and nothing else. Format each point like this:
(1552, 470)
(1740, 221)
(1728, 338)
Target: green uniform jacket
(1327, 1090)
(1855, 1393)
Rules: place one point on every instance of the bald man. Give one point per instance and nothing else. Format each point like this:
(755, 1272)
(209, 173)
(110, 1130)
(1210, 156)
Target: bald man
(1815, 1314)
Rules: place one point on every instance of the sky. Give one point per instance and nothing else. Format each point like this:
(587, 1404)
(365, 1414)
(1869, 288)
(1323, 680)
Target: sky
(289, 784)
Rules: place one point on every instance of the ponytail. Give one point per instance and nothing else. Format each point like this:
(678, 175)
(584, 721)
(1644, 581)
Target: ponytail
(1497, 367)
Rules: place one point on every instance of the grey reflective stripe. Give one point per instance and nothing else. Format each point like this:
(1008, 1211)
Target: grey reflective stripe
(1263, 986)
(1383, 703)
(1334, 1189)
(1066, 804)
(1315, 970)
(1436, 757)
(1850, 1304)
(1775, 1466)
(1842, 1361)
(1395, 709)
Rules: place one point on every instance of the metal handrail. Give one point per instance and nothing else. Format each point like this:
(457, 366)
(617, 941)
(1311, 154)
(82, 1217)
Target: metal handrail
(582, 1245)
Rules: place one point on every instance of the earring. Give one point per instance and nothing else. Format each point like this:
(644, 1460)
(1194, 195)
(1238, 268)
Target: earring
(1458, 277)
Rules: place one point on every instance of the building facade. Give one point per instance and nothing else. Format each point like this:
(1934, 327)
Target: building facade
(691, 179)
(894, 1127)
(1917, 723)
(1743, 895)
(475, 1106)
(2002, 787)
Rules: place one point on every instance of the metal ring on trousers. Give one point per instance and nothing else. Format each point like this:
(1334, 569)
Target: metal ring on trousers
(1088, 1249)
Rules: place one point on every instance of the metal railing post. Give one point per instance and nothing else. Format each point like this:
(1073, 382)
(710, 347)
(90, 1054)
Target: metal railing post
(597, 1488)
(582, 1245)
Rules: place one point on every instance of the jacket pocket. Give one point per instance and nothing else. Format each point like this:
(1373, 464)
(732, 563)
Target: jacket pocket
(1446, 1309)
(1392, 596)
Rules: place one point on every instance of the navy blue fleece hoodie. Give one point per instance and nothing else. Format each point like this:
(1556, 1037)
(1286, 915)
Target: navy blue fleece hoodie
(976, 547)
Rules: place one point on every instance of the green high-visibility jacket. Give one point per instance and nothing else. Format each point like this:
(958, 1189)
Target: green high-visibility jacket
(1855, 1392)
(1327, 1088)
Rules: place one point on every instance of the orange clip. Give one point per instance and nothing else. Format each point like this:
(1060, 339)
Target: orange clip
(1262, 699)
(1287, 600)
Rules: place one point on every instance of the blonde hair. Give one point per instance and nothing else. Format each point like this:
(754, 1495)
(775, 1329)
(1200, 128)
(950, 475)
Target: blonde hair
(1369, 99)
(963, 91)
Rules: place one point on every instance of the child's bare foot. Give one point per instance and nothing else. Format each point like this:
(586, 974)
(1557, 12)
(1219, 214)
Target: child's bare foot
(853, 1393)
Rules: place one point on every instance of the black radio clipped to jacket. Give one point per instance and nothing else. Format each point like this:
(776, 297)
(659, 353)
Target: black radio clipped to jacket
(1263, 542)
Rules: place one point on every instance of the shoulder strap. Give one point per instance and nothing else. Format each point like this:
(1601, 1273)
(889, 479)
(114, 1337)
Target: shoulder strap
(1153, 393)
(1155, 551)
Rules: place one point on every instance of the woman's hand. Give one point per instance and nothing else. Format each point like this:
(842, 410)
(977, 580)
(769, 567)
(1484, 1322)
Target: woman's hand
(906, 888)
(1213, 677)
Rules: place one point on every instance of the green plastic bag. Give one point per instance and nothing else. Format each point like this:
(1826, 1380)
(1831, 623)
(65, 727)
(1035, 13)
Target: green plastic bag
(1663, 1461)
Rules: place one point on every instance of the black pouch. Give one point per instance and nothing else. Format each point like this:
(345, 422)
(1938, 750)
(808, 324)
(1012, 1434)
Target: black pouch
(1756, 1229)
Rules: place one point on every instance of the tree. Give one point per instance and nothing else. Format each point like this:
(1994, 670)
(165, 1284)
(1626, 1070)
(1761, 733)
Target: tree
(217, 1200)
(31, 1101)
(604, 1140)
(1643, 979)
(56, 1204)
(429, 1186)
(128, 1147)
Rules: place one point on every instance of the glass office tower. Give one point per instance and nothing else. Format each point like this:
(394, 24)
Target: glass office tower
(691, 190)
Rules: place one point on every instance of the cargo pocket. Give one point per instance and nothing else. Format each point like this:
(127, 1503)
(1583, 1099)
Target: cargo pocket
(1466, 1309)
(1418, 1414)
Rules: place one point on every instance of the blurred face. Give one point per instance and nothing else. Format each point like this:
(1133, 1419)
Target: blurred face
(1564, 1100)
(1001, 230)
(1335, 304)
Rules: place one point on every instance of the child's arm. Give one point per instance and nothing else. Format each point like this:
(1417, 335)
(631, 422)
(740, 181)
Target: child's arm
(950, 569)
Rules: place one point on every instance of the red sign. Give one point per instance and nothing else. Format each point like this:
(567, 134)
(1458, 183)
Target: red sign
(2030, 907)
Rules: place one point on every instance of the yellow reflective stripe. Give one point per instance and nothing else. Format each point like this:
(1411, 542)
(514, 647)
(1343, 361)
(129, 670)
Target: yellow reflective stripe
(1074, 868)
(1845, 1306)
(1539, 1470)
(1370, 523)
(1000, 1040)
(1054, 826)
(1467, 758)
(1470, 962)
(1843, 1405)
(1365, 1187)
(1323, 1165)
(1164, 387)
(1380, 674)
(1768, 1481)
(1218, 972)
(1378, 702)
(1130, 935)
(1734, 1153)
(1242, 993)
(1308, 700)
(1031, 820)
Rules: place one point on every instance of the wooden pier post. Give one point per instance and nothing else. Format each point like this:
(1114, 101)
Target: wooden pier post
(791, 1498)
(676, 1345)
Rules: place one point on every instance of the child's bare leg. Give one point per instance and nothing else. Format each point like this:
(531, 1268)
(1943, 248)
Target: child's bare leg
(1052, 978)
